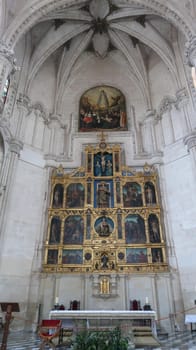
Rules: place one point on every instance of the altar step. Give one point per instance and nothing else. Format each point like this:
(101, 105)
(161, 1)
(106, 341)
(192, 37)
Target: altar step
(178, 340)
(143, 337)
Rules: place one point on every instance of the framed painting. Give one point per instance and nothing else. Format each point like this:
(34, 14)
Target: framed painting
(72, 256)
(136, 255)
(102, 107)
(75, 196)
(132, 195)
(73, 230)
(134, 229)
(52, 256)
(104, 226)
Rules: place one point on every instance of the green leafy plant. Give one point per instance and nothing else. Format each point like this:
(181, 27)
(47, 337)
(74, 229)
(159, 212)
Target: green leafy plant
(100, 340)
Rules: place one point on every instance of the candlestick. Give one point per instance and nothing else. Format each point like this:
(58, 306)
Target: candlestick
(146, 300)
(56, 300)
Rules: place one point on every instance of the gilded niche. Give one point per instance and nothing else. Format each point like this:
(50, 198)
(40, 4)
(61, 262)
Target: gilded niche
(105, 217)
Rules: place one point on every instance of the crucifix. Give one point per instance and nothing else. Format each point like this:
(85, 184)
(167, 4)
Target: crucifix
(8, 307)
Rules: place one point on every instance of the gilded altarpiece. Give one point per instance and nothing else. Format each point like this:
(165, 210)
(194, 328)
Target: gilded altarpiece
(105, 217)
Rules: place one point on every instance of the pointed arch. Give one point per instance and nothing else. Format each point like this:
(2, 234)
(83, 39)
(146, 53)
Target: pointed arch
(39, 9)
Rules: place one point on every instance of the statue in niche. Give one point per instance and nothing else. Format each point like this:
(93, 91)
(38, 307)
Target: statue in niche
(150, 193)
(104, 261)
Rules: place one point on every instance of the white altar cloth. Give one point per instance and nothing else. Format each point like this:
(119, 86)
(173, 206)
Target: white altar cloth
(102, 314)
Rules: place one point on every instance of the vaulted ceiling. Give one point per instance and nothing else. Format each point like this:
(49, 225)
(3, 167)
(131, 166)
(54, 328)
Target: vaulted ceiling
(65, 30)
(102, 26)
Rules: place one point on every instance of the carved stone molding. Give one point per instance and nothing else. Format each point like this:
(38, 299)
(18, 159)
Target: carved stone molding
(182, 98)
(7, 53)
(190, 52)
(190, 140)
(165, 105)
(15, 146)
(24, 101)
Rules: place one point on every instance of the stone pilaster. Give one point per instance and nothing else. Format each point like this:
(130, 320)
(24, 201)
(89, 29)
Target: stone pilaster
(150, 144)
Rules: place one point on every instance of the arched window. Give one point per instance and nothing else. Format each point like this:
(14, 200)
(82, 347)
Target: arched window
(5, 90)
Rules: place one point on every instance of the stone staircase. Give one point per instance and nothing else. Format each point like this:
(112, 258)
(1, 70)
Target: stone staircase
(143, 336)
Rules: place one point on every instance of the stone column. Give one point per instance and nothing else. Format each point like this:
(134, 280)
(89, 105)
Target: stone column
(7, 65)
(15, 147)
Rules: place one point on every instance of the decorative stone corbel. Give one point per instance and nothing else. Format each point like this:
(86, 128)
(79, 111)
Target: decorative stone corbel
(190, 140)
(15, 146)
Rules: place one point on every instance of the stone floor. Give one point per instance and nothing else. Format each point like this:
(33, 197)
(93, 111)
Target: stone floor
(30, 341)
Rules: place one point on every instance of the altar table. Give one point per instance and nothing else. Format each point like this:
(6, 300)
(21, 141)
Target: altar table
(105, 318)
(190, 318)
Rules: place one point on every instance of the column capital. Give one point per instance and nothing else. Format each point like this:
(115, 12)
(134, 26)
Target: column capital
(23, 101)
(190, 52)
(190, 140)
(15, 146)
(149, 116)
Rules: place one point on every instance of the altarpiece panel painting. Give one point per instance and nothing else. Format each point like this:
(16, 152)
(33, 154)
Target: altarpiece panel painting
(102, 108)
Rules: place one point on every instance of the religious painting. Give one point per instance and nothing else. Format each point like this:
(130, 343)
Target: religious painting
(132, 195)
(136, 255)
(52, 256)
(102, 107)
(55, 230)
(157, 255)
(134, 229)
(150, 196)
(72, 256)
(103, 164)
(153, 227)
(73, 230)
(75, 196)
(57, 196)
(104, 226)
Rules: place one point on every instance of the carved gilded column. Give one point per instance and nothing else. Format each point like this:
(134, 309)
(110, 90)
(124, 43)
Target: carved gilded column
(7, 65)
